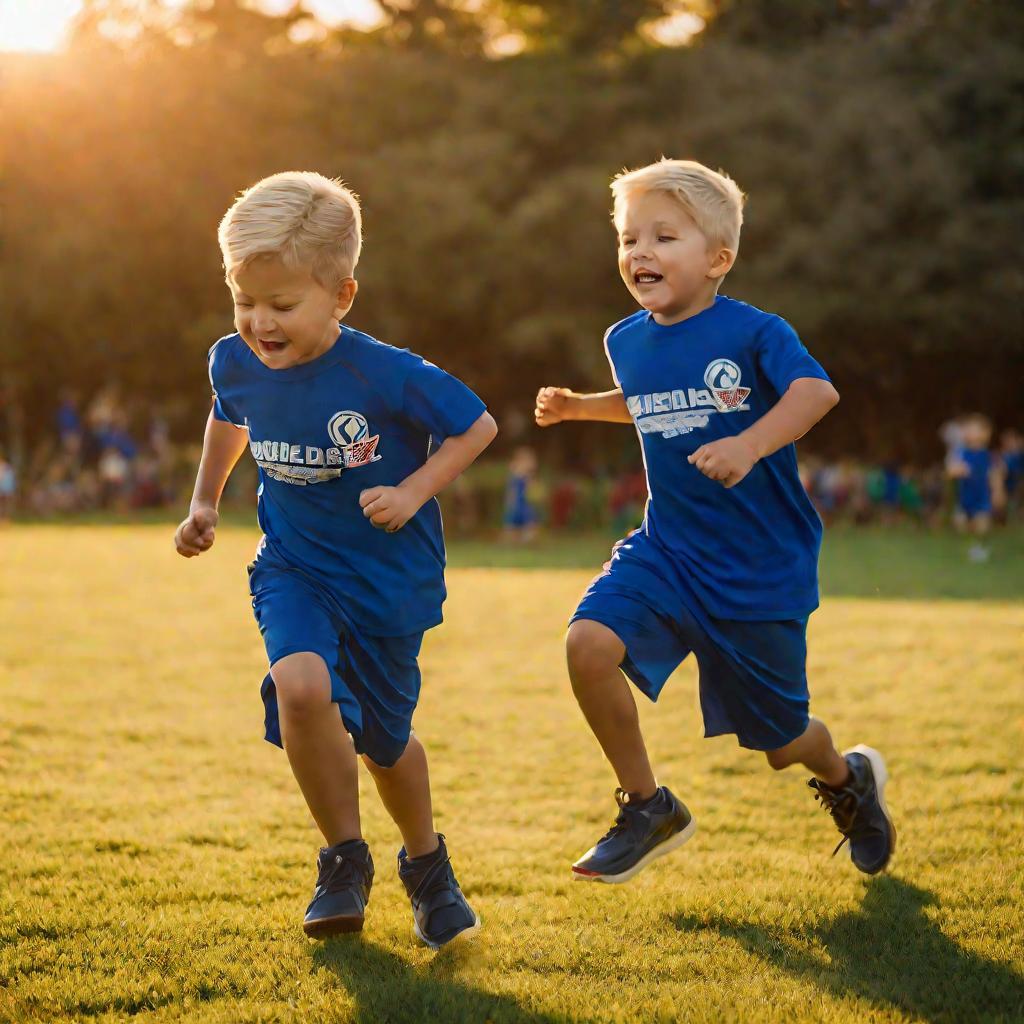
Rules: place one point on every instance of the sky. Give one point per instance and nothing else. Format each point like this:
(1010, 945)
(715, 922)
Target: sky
(40, 24)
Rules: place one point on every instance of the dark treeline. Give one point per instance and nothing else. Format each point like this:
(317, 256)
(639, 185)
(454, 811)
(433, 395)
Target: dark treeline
(880, 143)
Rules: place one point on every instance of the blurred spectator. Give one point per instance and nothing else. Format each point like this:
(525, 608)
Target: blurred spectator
(1011, 451)
(520, 521)
(8, 488)
(978, 476)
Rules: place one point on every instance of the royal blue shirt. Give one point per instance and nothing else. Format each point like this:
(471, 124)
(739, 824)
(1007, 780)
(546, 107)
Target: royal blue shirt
(974, 492)
(750, 551)
(361, 415)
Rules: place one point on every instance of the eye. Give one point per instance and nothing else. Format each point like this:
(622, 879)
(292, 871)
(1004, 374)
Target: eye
(626, 242)
(666, 238)
(283, 309)
(242, 305)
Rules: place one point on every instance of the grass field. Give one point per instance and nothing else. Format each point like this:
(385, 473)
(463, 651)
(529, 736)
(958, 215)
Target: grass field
(155, 857)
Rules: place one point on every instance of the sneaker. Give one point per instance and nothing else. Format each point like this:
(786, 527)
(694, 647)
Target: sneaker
(641, 833)
(859, 810)
(440, 910)
(342, 890)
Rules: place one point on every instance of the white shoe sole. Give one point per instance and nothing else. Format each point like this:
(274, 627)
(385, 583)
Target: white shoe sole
(466, 933)
(881, 775)
(670, 844)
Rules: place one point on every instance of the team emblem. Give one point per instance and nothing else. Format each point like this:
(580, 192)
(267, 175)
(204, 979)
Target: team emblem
(351, 433)
(722, 378)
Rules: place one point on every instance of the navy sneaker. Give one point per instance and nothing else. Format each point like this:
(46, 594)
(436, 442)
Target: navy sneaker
(641, 833)
(342, 890)
(438, 906)
(859, 810)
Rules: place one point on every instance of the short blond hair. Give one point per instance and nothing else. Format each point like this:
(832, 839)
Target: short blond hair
(306, 219)
(711, 198)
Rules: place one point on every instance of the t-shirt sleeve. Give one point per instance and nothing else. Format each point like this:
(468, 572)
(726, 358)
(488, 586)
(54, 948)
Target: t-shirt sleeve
(782, 357)
(222, 409)
(608, 356)
(438, 402)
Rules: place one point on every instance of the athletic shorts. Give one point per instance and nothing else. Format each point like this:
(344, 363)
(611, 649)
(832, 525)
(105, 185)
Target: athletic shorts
(375, 681)
(753, 675)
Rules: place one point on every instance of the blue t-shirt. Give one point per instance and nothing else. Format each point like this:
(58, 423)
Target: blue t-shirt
(361, 415)
(974, 493)
(750, 551)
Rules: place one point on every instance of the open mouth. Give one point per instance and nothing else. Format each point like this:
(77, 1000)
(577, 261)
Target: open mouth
(646, 277)
(270, 348)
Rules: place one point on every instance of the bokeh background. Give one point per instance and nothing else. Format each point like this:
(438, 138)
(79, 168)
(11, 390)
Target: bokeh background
(880, 143)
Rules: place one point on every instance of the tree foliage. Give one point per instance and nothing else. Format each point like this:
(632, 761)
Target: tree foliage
(880, 144)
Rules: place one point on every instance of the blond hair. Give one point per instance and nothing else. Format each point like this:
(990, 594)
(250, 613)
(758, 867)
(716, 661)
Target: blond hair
(711, 198)
(306, 219)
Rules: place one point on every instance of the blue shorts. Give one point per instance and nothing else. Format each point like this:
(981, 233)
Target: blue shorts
(753, 675)
(375, 681)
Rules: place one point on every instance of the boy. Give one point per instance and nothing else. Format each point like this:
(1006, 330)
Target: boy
(725, 563)
(979, 482)
(350, 570)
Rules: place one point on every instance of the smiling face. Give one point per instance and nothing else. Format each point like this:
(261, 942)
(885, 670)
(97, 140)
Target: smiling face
(665, 260)
(284, 314)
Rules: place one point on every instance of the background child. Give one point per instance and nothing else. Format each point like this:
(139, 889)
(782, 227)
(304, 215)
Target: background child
(520, 519)
(349, 572)
(978, 476)
(725, 563)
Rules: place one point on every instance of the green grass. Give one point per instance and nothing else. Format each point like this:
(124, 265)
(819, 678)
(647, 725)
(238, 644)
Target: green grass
(155, 857)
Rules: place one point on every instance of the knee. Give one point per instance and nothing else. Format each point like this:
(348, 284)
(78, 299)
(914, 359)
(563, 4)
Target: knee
(592, 651)
(778, 759)
(303, 684)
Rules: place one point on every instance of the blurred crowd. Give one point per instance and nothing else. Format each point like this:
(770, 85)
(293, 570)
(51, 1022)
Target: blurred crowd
(105, 457)
(102, 456)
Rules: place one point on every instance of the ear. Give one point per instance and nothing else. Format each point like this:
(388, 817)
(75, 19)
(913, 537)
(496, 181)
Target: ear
(346, 296)
(721, 264)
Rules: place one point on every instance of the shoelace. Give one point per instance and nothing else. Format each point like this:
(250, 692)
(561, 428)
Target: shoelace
(432, 877)
(842, 804)
(626, 819)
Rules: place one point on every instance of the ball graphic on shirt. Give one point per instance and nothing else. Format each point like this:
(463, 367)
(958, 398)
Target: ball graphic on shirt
(347, 428)
(722, 375)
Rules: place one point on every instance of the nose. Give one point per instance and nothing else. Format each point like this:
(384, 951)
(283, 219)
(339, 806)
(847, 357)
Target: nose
(262, 322)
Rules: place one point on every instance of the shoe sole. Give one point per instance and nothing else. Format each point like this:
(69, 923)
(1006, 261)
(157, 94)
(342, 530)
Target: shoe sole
(881, 776)
(670, 844)
(466, 933)
(325, 927)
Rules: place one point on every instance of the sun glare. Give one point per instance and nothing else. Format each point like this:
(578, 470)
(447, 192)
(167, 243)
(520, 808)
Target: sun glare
(42, 25)
(35, 24)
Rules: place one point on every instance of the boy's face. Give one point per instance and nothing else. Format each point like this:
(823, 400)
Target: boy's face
(665, 259)
(283, 314)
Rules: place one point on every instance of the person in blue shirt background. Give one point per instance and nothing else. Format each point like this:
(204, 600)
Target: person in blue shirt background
(725, 563)
(350, 570)
(979, 483)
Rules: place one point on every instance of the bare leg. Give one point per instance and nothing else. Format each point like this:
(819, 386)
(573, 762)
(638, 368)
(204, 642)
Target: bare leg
(594, 654)
(814, 750)
(319, 750)
(404, 789)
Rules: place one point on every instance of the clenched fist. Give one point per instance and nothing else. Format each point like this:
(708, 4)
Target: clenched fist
(551, 407)
(389, 508)
(195, 534)
(727, 460)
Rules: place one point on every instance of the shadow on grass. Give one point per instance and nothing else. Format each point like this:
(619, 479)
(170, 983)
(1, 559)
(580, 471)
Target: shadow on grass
(386, 988)
(888, 952)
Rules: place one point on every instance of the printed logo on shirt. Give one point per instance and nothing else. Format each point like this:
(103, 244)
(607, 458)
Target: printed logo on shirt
(350, 432)
(683, 410)
(723, 380)
(308, 464)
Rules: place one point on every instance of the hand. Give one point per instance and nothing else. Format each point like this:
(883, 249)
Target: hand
(195, 534)
(389, 508)
(552, 406)
(727, 460)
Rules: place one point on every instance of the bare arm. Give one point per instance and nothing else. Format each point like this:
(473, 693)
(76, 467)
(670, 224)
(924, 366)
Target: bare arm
(555, 405)
(730, 459)
(223, 444)
(390, 508)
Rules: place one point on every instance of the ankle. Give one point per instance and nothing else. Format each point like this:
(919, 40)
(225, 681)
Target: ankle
(426, 847)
